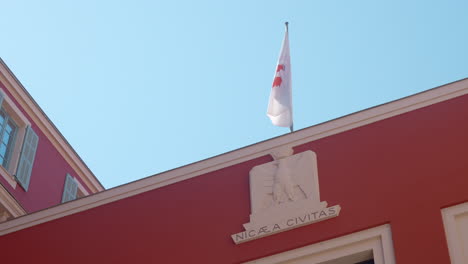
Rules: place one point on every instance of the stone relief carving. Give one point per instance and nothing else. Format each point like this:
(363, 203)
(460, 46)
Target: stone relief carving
(283, 185)
(287, 184)
(284, 194)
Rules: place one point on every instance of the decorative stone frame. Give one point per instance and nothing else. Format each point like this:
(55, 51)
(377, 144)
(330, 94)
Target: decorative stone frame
(373, 243)
(456, 230)
(10, 205)
(22, 122)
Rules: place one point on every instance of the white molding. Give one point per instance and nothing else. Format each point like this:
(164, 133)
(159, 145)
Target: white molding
(10, 204)
(14, 110)
(376, 242)
(8, 177)
(300, 137)
(456, 232)
(40, 119)
(3, 215)
(81, 188)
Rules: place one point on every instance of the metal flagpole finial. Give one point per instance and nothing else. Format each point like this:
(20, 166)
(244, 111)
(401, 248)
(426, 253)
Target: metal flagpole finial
(286, 23)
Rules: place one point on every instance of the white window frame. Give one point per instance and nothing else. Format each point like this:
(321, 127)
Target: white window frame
(360, 246)
(10, 204)
(451, 217)
(81, 190)
(22, 122)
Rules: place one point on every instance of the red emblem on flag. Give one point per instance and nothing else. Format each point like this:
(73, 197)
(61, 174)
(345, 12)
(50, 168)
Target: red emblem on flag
(277, 81)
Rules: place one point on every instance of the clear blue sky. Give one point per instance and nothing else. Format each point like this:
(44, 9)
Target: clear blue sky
(140, 87)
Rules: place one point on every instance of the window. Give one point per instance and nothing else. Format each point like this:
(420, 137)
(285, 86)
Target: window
(367, 262)
(18, 144)
(72, 189)
(7, 136)
(456, 230)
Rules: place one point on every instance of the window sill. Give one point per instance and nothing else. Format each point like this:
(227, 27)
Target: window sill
(8, 177)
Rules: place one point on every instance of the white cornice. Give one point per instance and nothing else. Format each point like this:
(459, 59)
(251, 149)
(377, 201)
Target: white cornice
(47, 127)
(300, 137)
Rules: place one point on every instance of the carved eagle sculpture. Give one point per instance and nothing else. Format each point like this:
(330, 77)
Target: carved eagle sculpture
(287, 179)
(283, 185)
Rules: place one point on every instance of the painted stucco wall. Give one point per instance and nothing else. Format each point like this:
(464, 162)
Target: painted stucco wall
(399, 171)
(48, 172)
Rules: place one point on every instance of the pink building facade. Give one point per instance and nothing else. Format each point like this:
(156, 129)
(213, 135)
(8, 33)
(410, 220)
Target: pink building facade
(38, 168)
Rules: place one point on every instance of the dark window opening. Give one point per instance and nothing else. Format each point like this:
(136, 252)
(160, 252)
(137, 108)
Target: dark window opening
(371, 261)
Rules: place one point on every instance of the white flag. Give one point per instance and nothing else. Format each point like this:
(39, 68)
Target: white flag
(280, 104)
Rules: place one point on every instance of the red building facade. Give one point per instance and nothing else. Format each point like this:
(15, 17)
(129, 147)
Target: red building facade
(38, 168)
(396, 176)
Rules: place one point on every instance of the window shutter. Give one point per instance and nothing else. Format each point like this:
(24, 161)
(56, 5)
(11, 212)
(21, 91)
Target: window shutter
(1, 97)
(28, 152)
(70, 189)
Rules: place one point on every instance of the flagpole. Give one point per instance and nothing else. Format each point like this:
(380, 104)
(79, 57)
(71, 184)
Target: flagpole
(280, 103)
(291, 128)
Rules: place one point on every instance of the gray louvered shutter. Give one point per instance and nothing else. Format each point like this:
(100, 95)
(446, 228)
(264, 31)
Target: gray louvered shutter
(28, 152)
(1, 97)
(70, 189)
